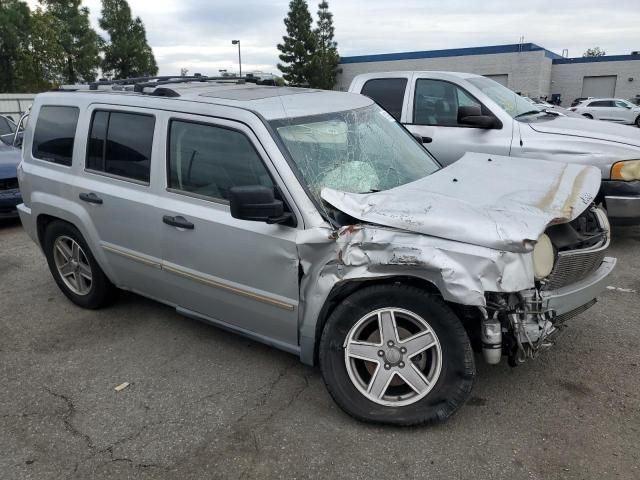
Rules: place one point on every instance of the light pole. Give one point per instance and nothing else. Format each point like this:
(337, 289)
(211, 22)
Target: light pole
(237, 42)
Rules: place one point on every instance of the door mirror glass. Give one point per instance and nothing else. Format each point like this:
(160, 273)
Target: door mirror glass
(256, 203)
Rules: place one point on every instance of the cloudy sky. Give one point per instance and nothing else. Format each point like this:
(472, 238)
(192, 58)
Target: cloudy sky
(197, 34)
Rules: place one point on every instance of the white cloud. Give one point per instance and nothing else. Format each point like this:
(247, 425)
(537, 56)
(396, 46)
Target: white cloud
(197, 34)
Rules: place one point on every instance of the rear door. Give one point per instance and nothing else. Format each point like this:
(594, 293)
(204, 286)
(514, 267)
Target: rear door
(241, 273)
(601, 110)
(433, 114)
(119, 195)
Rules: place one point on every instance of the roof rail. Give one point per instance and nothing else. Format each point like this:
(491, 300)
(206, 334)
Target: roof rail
(140, 83)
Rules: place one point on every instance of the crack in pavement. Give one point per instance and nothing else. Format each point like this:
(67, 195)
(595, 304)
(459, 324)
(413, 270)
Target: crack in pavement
(66, 418)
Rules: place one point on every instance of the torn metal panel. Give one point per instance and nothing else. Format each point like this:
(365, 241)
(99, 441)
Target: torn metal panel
(461, 272)
(491, 201)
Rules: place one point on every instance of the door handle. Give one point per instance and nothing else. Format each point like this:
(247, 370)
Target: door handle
(427, 139)
(178, 222)
(90, 198)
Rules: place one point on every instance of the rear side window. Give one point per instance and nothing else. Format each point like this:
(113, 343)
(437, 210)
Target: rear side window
(120, 144)
(55, 133)
(388, 93)
(209, 160)
(601, 103)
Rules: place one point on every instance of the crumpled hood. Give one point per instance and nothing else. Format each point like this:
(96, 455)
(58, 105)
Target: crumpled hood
(584, 127)
(497, 202)
(9, 159)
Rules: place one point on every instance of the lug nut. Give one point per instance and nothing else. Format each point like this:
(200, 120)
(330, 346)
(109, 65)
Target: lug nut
(401, 364)
(390, 343)
(403, 350)
(387, 366)
(381, 353)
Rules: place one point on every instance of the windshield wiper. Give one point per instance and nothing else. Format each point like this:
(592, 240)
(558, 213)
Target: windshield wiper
(529, 112)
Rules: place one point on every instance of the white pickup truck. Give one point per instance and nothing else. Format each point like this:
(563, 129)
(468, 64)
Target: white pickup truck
(454, 113)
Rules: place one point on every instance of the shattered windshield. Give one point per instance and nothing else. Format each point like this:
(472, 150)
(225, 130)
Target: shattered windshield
(356, 151)
(510, 101)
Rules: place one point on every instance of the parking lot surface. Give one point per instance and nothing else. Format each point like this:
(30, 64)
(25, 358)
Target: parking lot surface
(204, 403)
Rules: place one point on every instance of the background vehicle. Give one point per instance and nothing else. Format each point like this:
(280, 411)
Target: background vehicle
(609, 109)
(547, 107)
(579, 100)
(128, 190)
(455, 113)
(635, 100)
(9, 158)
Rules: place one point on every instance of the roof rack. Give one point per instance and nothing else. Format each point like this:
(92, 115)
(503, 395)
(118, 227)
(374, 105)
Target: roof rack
(138, 84)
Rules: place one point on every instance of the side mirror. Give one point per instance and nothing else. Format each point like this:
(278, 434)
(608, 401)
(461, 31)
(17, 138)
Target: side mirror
(256, 203)
(422, 139)
(472, 116)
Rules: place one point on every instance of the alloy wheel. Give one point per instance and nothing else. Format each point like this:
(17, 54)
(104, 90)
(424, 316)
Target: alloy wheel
(73, 265)
(393, 357)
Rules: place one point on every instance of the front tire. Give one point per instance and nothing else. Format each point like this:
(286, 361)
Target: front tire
(638, 121)
(74, 267)
(587, 115)
(396, 354)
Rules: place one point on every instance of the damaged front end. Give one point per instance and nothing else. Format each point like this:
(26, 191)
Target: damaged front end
(521, 324)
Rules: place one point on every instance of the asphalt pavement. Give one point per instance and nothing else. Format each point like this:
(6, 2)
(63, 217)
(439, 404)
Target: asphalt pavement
(204, 403)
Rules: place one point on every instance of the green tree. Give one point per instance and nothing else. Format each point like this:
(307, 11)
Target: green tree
(14, 27)
(42, 61)
(79, 42)
(298, 46)
(127, 53)
(326, 59)
(594, 52)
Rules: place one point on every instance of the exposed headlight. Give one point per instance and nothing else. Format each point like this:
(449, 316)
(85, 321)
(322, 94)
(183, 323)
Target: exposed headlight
(543, 257)
(626, 170)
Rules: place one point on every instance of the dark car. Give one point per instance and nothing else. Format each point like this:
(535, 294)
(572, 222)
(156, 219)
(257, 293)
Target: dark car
(9, 158)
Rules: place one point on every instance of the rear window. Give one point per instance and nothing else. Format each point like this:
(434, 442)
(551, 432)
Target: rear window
(388, 93)
(55, 133)
(120, 144)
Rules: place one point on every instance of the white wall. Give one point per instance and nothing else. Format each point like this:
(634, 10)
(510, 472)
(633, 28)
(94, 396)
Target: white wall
(567, 78)
(15, 104)
(528, 72)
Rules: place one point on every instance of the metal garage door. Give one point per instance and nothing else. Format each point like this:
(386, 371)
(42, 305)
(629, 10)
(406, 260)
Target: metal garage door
(599, 87)
(502, 79)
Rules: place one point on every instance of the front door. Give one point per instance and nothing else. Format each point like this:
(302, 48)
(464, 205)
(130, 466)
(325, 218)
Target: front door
(433, 114)
(241, 273)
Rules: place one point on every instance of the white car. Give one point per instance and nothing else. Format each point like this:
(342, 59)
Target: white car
(610, 109)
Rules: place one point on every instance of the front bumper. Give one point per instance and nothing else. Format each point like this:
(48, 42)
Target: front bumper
(622, 200)
(9, 200)
(573, 297)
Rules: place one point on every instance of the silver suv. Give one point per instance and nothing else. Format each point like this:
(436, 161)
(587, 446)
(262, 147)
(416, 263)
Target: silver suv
(314, 222)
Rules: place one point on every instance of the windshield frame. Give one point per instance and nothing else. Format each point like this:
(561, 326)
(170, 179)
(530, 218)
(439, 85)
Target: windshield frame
(273, 125)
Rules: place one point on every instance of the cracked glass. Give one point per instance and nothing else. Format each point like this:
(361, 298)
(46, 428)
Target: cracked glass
(356, 151)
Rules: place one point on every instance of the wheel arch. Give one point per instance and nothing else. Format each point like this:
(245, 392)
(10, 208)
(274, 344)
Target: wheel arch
(50, 214)
(310, 349)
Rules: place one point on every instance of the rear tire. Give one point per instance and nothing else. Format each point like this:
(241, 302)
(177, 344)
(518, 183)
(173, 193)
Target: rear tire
(74, 267)
(446, 368)
(638, 121)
